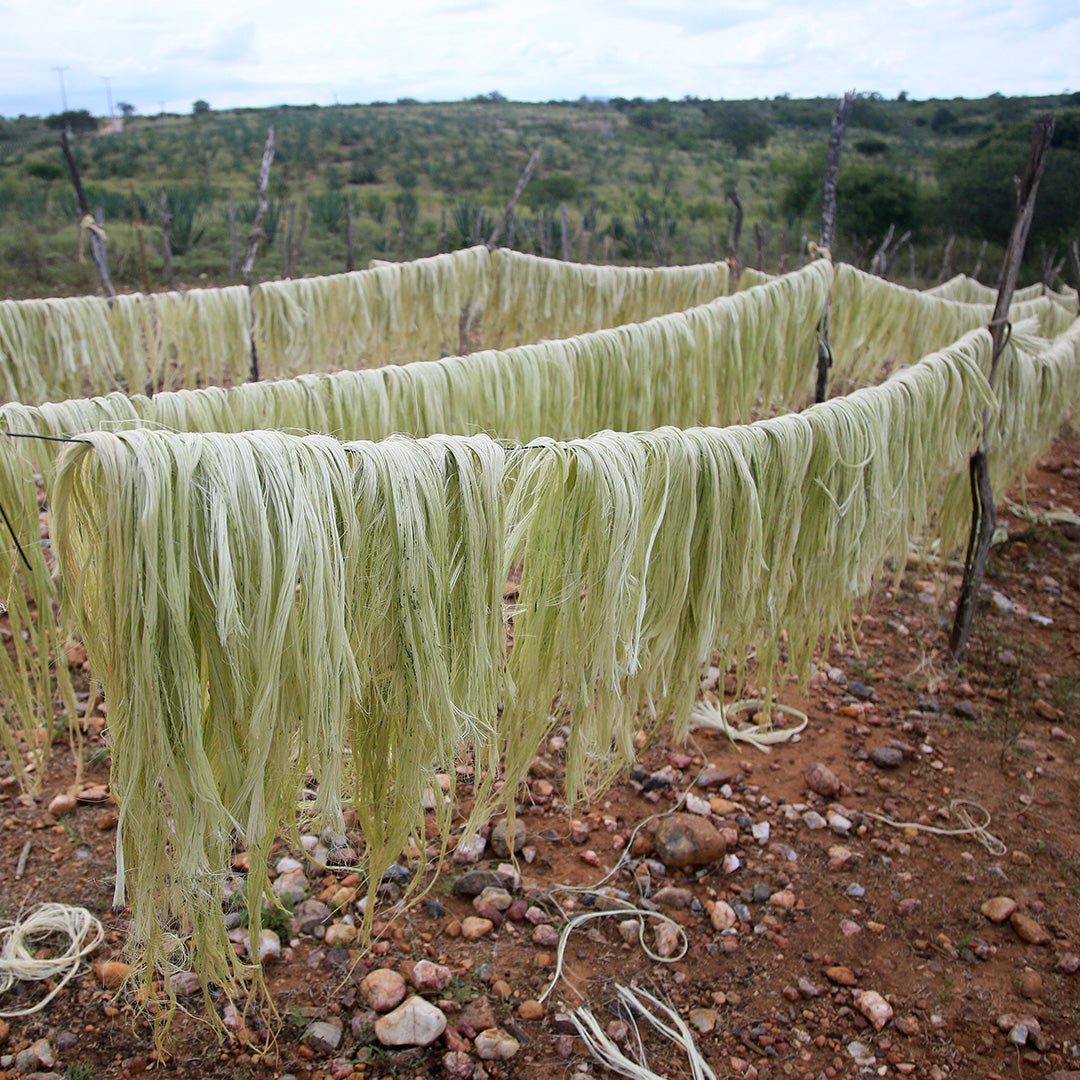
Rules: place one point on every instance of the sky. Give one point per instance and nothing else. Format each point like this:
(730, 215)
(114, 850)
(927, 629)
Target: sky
(167, 55)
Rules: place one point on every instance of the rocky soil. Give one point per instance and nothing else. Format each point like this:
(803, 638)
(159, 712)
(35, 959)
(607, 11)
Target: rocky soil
(829, 909)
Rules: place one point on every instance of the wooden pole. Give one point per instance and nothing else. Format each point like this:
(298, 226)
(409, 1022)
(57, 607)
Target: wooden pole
(349, 233)
(828, 228)
(977, 268)
(260, 214)
(86, 219)
(234, 254)
(257, 234)
(983, 513)
(736, 232)
(1074, 258)
(523, 182)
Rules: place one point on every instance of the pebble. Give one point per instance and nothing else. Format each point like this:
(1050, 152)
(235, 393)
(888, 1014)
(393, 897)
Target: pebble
(683, 840)
(998, 908)
(784, 900)
(531, 1009)
(112, 973)
(498, 839)
(673, 897)
(415, 1022)
(849, 928)
(842, 976)
(293, 884)
(457, 1065)
(628, 930)
(874, 1007)
(814, 821)
(498, 898)
(1068, 963)
(38, 1054)
(323, 1035)
(62, 804)
(547, 937)
(704, 1020)
(383, 990)
(340, 935)
(287, 865)
(269, 945)
(494, 1044)
(469, 851)
(721, 915)
(668, 940)
(887, 757)
(839, 824)
(430, 978)
(855, 891)
(760, 831)
(475, 1017)
(696, 805)
(714, 776)
(1027, 929)
(1030, 984)
(474, 882)
(309, 914)
(473, 928)
(822, 780)
(184, 983)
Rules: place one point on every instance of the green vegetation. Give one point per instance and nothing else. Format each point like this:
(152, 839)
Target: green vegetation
(642, 182)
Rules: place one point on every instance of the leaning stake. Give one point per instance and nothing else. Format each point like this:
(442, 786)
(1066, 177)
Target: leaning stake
(983, 514)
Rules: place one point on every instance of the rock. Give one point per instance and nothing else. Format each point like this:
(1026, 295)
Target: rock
(62, 804)
(494, 1044)
(38, 1055)
(184, 983)
(323, 1036)
(474, 882)
(760, 831)
(907, 1025)
(704, 1020)
(531, 1009)
(498, 898)
(288, 865)
(415, 1022)
(1030, 984)
(429, 978)
(842, 976)
(822, 780)
(668, 939)
(839, 824)
(1068, 963)
(469, 851)
(849, 928)
(547, 937)
(629, 930)
(861, 1053)
(860, 690)
(683, 840)
(814, 821)
(457, 1065)
(112, 974)
(874, 1007)
(498, 839)
(473, 928)
(722, 915)
(696, 805)
(811, 990)
(309, 914)
(340, 935)
(293, 884)
(383, 990)
(887, 757)
(998, 908)
(671, 896)
(784, 900)
(1027, 929)
(269, 945)
(714, 776)
(475, 1017)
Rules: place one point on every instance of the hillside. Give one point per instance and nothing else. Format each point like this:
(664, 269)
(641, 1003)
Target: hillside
(643, 182)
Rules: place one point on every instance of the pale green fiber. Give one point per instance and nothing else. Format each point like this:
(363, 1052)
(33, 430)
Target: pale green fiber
(968, 289)
(260, 604)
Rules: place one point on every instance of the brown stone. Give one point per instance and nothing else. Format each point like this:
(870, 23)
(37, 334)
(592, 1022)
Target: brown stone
(998, 908)
(683, 840)
(1027, 929)
(822, 780)
(842, 976)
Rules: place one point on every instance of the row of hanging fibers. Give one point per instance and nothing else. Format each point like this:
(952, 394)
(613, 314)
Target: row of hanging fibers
(723, 363)
(66, 347)
(962, 287)
(260, 605)
(714, 364)
(391, 313)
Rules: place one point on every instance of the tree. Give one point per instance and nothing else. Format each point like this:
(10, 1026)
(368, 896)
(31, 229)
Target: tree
(740, 123)
(127, 110)
(200, 107)
(978, 193)
(78, 120)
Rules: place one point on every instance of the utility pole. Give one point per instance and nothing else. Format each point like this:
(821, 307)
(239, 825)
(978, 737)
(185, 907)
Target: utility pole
(63, 92)
(108, 93)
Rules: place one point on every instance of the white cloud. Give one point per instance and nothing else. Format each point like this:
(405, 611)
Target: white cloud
(249, 53)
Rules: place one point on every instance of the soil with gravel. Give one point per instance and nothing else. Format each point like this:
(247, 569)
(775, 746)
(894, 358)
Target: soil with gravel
(830, 926)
